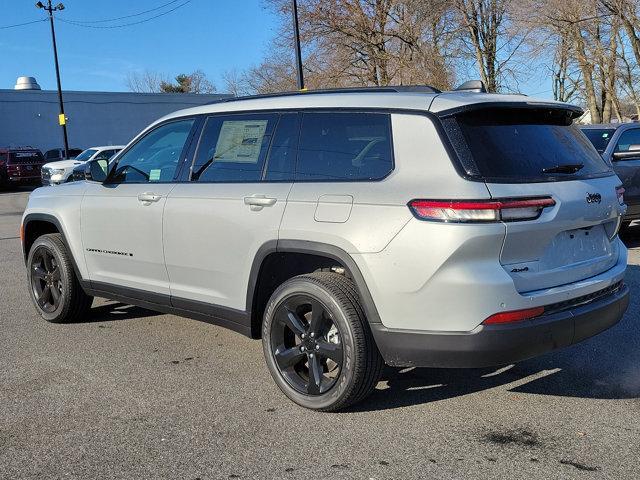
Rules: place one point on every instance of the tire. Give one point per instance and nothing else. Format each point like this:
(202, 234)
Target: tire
(53, 285)
(337, 367)
(625, 226)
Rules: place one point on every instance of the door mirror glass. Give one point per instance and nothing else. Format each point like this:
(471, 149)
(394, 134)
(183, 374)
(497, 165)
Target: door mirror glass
(96, 170)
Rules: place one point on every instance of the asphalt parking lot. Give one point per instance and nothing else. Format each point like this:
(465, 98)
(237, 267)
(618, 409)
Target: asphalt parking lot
(129, 393)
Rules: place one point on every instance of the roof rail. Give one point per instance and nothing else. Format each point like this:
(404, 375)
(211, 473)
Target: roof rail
(390, 88)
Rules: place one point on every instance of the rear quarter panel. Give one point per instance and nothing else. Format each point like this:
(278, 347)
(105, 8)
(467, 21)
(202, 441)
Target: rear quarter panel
(379, 210)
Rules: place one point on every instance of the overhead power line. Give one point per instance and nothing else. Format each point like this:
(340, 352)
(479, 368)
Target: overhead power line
(77, 24)
(107, 20)
(22, 24)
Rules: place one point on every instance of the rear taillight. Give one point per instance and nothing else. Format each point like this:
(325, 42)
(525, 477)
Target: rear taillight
(620, 194)
(514, 316)
(462, 211)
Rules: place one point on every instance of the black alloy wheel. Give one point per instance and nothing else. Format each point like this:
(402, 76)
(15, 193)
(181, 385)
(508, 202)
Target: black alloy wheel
(317, 342)
(46, 281)
(53, 284)
(306, 345)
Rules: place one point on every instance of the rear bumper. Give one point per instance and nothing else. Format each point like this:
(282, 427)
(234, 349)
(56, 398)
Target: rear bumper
(501, 344)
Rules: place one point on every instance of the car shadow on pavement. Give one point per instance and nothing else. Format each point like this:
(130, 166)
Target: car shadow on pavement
(606, 366)
(18, 189)
(114, 311)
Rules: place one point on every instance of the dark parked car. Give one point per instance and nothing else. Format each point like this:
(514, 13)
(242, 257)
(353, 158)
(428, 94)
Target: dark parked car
(619, 145)
(56, 154)
(20, 166)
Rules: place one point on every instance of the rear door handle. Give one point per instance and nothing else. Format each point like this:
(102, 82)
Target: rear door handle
(258, 202)
(147, 197)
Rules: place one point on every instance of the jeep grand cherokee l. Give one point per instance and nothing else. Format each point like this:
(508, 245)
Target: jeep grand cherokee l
(348, 229)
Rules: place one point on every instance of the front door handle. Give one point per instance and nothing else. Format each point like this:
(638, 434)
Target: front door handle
(147, 198)
(258, 202)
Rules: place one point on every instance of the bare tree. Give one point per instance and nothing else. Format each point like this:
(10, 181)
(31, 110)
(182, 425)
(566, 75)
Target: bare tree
(199, 83)
(146, 81)
(565, 84)
(590, 36)
(493, 38)
(359, 43)
(153, 82)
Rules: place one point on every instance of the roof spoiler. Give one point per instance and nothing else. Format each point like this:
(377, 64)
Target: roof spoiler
(477, 86)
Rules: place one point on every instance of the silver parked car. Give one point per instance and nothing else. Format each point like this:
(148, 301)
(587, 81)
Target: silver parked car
(348, 229)
(619, 145)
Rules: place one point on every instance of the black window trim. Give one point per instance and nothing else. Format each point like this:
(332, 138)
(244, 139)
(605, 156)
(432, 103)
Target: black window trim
(197, 125)
(301, 112)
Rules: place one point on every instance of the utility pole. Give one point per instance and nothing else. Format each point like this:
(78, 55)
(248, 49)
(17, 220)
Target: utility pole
(296, 41)
(61, 118)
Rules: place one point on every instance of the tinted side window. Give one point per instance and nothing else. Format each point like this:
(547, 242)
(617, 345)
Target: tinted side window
(155, 157)
(344, 146)
(599, 137)
(282, 154)
(233, 148)
(627, 139)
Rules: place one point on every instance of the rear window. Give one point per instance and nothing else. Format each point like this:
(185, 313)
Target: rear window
(599, 137)
(522, 146)
(26, 157)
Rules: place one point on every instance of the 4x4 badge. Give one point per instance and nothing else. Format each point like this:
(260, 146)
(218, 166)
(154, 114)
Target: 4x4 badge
(594, 198)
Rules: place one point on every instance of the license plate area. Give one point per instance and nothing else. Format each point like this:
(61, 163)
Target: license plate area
(579, 245)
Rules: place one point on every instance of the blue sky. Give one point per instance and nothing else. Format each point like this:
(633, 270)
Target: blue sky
(211, 35)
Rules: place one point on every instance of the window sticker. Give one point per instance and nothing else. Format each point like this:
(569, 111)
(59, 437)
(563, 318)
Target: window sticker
(154, 175)
(240, 141)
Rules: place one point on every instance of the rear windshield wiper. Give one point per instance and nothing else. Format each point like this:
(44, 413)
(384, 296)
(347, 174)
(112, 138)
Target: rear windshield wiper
(568, 168)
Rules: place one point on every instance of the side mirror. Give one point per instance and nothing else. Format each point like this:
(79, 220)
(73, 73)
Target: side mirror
(96, 171)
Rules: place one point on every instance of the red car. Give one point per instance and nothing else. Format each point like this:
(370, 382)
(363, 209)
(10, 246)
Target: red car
(20, 166)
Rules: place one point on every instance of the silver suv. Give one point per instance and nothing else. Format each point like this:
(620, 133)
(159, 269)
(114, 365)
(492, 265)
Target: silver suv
(348, 229)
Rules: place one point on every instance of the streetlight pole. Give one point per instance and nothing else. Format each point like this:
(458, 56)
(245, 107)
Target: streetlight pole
(296, 41)
(61, 118)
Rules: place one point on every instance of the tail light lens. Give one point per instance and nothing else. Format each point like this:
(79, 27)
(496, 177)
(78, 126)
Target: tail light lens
(620, 194)
(514, 316)
(505, 210)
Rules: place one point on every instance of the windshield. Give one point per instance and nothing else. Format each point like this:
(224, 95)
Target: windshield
(87, 154)
(523, 145)
(599, 137)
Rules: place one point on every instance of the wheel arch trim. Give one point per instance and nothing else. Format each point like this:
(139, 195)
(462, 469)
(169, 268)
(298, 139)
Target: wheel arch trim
(52, 219)
(311, 248)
